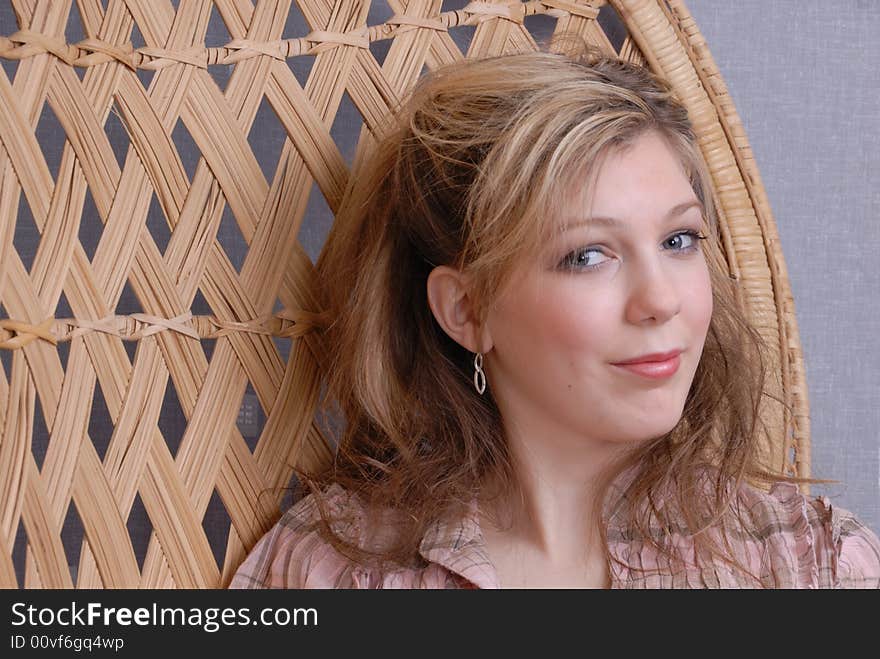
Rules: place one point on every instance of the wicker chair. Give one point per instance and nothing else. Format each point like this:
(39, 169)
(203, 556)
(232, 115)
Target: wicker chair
(61, 468)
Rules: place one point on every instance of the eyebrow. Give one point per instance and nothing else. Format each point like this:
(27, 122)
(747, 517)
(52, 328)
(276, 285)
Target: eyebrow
(602, 220)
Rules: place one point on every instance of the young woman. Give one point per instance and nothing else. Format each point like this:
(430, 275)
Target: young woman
(545, 374)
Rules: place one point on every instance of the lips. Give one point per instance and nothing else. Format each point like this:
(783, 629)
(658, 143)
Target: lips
(651, 358)
(655, 366)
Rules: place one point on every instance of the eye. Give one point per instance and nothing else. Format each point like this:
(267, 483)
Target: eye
(690, 240)
(681, 242)
(581, 259)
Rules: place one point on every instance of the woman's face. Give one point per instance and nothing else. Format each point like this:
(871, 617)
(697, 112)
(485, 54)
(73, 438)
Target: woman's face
(605, 293)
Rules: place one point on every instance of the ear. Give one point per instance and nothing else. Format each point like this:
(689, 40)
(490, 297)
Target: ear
(451, 305)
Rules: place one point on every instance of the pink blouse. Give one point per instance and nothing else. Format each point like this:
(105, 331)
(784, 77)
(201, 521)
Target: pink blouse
(796, 542)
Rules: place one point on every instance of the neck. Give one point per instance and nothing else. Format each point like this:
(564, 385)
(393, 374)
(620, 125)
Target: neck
(550, 515)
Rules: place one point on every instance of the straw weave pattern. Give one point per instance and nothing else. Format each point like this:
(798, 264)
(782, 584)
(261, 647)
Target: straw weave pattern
(267, 301)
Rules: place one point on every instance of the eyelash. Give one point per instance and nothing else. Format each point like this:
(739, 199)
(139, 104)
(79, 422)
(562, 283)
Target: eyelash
(569, 262)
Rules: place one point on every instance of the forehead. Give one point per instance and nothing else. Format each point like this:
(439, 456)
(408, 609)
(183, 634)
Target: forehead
(644, 181)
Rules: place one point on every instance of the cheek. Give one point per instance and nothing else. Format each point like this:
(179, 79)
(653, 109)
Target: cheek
(579, 322)
(699, 300)
(562, 321)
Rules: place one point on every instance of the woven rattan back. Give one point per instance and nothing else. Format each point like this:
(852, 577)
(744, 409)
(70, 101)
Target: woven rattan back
(156, 320)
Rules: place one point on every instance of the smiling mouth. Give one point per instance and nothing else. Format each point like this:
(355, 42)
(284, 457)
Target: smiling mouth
(654, 370)
(653, 357)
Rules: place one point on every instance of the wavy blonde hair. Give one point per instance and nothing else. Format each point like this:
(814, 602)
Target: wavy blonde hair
(471, 172)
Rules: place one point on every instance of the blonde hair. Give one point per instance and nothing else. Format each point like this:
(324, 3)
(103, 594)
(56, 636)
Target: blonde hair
(470, 172)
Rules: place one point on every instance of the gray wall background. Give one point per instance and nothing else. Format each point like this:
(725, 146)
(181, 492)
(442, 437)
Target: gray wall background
(805, 78)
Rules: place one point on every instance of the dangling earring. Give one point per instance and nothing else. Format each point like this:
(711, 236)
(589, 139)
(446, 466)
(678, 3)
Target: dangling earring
(479, 375)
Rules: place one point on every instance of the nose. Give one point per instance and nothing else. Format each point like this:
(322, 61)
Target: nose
(654, 291)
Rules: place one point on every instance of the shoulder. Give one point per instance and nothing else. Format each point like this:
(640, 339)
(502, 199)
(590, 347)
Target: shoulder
(810, 543)
(293, 554)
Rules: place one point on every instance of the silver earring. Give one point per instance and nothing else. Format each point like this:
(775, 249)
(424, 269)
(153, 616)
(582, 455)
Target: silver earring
(479, 375)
